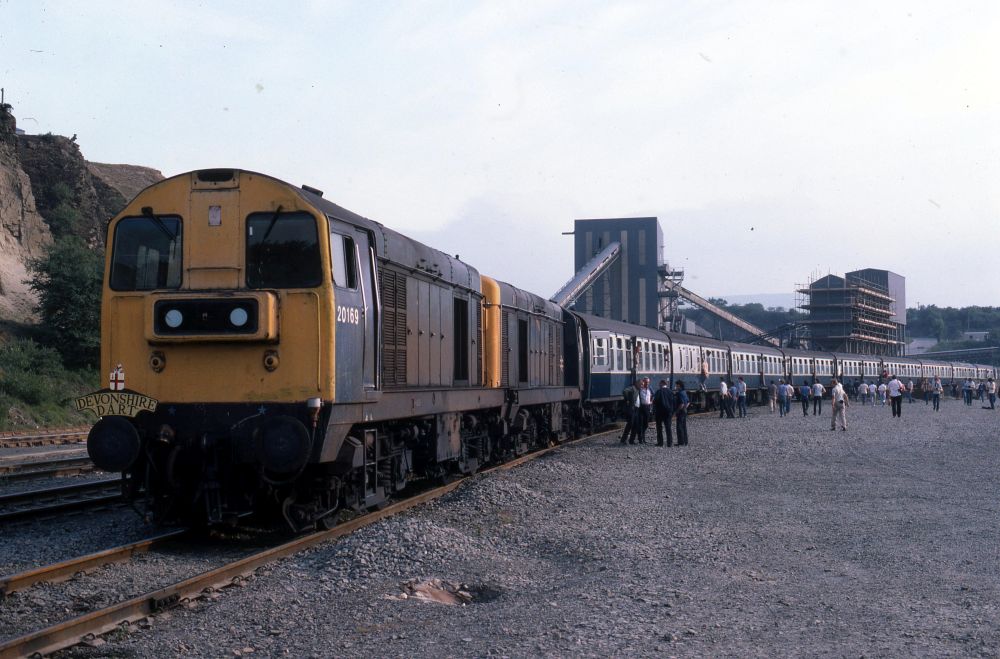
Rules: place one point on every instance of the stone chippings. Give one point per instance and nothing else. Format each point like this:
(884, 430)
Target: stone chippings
(764, 537)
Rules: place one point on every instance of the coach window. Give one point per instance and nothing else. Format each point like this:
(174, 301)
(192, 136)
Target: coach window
(599, 355)
(343, 256)
(146, 253)
(282, 251)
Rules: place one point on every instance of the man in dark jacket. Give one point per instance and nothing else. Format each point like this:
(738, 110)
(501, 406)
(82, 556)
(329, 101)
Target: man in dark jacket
(628, 402)
(663, 409)
(681, 403)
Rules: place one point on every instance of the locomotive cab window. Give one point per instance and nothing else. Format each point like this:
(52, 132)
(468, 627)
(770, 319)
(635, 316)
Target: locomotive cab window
(146, 253)
(343, 255)
(282, 251)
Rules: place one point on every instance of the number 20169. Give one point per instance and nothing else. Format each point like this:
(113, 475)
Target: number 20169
(348, 315)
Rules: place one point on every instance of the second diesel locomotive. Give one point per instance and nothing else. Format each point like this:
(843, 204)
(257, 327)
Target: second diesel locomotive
(294, 355)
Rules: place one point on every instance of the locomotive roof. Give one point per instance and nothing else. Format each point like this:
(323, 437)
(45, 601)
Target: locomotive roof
(402, 250)
(511, 296)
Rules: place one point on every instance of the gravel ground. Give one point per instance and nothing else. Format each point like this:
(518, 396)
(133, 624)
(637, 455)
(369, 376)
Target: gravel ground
(765, 536)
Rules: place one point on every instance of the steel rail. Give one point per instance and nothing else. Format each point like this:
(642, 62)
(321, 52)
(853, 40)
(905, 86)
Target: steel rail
(59, 491)
(62, 506)
(9, 440)
(40, 458)
(20, 471)
(75, 630)
(69, 568)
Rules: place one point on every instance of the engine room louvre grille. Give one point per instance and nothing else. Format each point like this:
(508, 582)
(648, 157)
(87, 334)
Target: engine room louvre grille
(504, 349)
(393, 293)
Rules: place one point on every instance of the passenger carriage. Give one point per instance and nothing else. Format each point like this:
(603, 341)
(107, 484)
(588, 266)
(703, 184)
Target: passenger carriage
(613, 345)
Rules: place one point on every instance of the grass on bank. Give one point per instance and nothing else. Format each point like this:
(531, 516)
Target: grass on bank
(36, 390)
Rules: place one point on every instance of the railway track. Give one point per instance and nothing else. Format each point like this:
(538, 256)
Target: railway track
(89, 625)
(54, 500)
(36, 469)
(75, 566)
(44, 438)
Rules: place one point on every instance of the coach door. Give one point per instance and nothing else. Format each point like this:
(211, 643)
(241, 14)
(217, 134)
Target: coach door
(354, 311)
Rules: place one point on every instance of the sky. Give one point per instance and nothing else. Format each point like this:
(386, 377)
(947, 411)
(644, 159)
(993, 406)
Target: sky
(776, 142)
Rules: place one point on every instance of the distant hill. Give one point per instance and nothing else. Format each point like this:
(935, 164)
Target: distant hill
(127, 180)
(767, 300)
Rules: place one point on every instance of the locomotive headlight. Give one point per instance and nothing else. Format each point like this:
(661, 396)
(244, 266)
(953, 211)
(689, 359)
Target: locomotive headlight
(173, 318)
(238, 317)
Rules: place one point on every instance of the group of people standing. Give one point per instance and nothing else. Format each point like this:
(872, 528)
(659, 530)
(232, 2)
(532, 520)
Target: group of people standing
(665, 404)
(732, 395)
(642, 404)
(984, 391)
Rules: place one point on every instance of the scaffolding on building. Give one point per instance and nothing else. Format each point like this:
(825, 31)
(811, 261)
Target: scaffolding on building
(850, 314)
(668, 288)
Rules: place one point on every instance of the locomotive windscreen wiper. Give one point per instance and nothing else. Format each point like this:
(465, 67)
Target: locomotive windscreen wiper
(270, 225)
(148, 212)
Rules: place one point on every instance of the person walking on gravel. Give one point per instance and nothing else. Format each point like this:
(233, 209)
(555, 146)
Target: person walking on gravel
(896, 389)
(782, 398)
(817, 393)
(681, 403)
(772, 396)
(839, 398)
(991, 393)
(804, 392)
(936, 390)
(863, 394)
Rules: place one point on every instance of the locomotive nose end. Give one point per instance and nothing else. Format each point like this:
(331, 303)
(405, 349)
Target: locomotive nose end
(113, 444)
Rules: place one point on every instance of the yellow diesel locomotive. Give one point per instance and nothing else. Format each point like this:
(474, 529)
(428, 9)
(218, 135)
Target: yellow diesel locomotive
(268, 349)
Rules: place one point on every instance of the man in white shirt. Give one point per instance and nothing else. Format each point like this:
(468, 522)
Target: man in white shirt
(817, 393)
(643, 405)
(863, 393)
(839, 399)
(991, 392)
(896, 389)
(723, 398)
